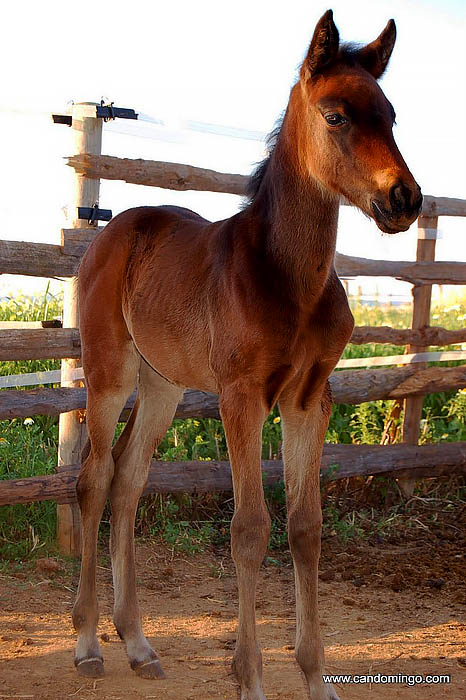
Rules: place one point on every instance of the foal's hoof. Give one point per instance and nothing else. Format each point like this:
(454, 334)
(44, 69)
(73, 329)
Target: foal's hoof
(150, 669)
(90, 668)
(332, 693)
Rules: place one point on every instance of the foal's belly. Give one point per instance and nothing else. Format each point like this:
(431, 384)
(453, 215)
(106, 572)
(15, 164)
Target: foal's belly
(182, 358)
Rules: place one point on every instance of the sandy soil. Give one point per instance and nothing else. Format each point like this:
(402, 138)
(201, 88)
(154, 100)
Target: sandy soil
(382, 611)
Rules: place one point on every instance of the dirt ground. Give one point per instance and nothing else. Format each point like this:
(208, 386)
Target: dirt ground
(397, 608)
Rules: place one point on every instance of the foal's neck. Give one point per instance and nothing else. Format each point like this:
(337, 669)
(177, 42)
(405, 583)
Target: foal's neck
(301, 222)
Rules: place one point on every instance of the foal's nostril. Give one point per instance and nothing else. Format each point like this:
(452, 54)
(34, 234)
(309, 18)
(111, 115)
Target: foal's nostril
(399, 196)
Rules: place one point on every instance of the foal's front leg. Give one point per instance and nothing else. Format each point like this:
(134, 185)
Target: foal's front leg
(243, 415)
(303, 436)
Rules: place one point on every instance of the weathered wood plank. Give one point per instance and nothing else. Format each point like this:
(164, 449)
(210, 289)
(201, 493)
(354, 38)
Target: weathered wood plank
(45, 260)
(428, 335)
(86, 133)
(338, 462)
(172, 176)
(348, 386)
(30, 341)
(422, 297)
(417, 273)
(75, 241)
(76, 374)
(36, 260)
(52, 402)
(39, 343)
(443, 206)
(178, 176)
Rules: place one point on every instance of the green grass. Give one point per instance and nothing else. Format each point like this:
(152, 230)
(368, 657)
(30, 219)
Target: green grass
(189, 523)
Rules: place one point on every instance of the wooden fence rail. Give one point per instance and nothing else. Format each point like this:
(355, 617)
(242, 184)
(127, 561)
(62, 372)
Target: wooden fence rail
(46, 343)
(39, 343)
(178, 176)
(348, 386)
(47, 260)
(338, 462)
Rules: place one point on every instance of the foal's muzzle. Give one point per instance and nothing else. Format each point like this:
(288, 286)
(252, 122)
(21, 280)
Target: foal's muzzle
(396, 210)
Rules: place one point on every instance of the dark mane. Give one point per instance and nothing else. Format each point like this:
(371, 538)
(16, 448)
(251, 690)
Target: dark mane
(260, 170)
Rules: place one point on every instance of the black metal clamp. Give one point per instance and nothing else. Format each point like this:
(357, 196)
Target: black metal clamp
(108, 112)
(103, 111)
(94, 214)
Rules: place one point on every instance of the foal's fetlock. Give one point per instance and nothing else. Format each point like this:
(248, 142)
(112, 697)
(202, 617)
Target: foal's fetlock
(248, 673)
(88, 658)
(318, 690)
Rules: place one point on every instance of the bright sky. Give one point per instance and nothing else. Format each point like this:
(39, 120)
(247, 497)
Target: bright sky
(228, 64)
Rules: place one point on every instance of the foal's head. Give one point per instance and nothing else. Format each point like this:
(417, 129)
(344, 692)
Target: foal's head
(343, 125)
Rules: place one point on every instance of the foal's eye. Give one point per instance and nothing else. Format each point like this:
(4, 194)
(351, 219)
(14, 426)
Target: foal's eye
(335, 119)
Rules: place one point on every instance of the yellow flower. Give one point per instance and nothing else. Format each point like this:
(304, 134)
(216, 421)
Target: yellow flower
(277, 419)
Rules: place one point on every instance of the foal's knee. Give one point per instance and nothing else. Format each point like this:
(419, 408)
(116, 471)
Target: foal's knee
(250, 533)
(85, 614)
(304, 538)
(94, 478)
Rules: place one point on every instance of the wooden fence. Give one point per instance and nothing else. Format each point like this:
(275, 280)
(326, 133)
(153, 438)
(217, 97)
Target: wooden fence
(45, 340)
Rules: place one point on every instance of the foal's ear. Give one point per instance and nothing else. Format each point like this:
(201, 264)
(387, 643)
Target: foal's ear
(375, 56)
(323, 48)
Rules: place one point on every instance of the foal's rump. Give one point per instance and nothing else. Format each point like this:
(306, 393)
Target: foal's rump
(147, 271)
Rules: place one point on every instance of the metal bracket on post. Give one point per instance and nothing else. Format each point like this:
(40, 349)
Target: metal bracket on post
(94, 214)
(102, 111)
(62, 119)
(108, 112)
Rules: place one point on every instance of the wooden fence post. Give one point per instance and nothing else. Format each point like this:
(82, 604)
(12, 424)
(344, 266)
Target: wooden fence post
(422, 296)
(87, 138)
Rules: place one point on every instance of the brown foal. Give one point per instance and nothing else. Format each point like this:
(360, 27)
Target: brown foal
(250, 308)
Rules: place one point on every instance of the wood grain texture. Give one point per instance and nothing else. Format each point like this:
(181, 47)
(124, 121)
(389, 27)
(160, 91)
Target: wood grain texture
(32, 342)
(86, 132)
(422, 297)
(36, 260)
(418, 273)
(45, 260)
(39, 343)
(338, 462)
(178, 176)
(348, 386)
(172, 176)
(425, 336)
(75, 241)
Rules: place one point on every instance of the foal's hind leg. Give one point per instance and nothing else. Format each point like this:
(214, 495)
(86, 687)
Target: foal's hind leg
(156, 404)
(303, 436)
(107, 390)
